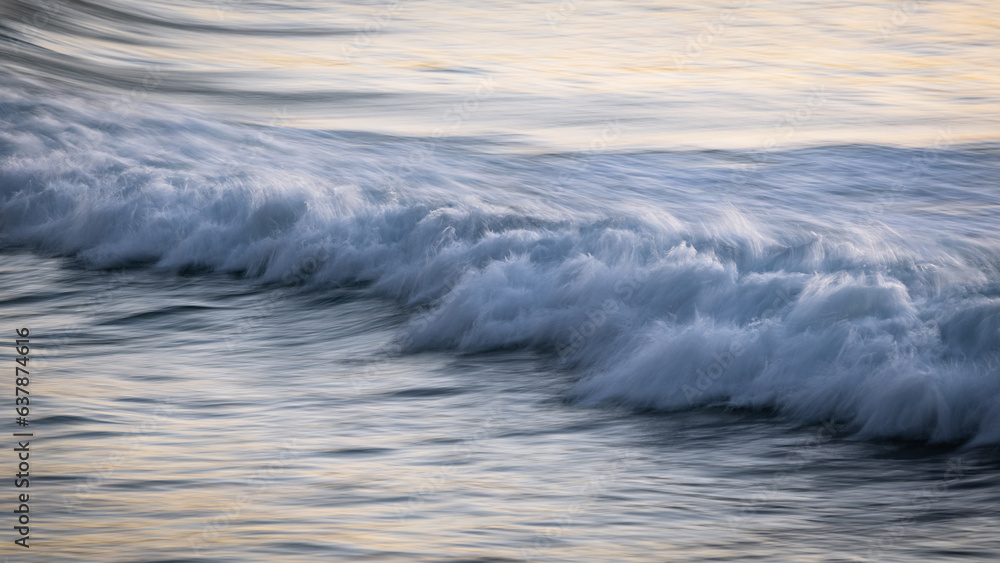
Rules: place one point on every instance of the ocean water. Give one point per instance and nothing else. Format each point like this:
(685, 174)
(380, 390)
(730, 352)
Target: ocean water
(527, 281)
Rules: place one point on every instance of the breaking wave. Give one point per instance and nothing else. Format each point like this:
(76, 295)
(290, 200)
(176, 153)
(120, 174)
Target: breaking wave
(665, 280)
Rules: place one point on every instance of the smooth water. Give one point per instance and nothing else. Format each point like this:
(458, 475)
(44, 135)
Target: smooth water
(533, 281)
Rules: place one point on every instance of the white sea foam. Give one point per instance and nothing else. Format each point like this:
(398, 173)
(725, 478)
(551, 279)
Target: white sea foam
(675, 291)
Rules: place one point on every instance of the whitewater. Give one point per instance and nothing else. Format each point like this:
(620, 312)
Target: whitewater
(344, 281)
(667, 280)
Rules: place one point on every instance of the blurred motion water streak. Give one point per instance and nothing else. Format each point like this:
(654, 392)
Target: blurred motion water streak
(388, 281)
